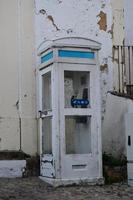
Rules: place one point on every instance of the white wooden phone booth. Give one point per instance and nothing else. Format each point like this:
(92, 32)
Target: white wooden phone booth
(69, 111)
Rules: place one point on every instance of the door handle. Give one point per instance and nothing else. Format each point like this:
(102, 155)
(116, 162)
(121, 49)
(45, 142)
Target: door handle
(42, 113)
(129, 140)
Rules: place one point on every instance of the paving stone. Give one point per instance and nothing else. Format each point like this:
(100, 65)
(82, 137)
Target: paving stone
(35, 189)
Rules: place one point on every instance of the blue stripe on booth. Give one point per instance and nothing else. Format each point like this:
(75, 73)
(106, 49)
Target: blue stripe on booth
(47, 57)
(76, 54)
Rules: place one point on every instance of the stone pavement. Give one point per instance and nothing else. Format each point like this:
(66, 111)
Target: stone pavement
(35, 189)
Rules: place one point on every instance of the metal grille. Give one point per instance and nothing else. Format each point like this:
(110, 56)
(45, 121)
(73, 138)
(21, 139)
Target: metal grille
(123, 60)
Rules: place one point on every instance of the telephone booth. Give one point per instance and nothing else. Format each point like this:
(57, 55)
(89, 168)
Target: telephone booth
(69, 112)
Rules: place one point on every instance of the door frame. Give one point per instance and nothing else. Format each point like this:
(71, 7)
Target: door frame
(46, 160)
(41, 73)
(79, 158)
(55, 115)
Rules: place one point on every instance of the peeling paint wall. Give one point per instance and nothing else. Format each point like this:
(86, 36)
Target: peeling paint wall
(118, 34)
(17, 78)
(102, 21)
(93, 19)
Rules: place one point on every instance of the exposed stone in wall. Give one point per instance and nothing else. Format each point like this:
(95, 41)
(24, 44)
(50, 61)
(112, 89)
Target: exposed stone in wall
(103, 67)
(103, 21)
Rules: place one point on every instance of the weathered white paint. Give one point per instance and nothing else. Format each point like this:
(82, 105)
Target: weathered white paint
(12, 168)
(17, 77)
(128, 22)
(66, 182)
(117, 30)
(114, 138)
(81, 21)
(47, 166)
(129, 146)
(129, 133)
(59, 164)
(130, 174)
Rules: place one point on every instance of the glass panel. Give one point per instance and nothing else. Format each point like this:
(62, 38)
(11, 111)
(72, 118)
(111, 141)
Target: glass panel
(77, 89)
(78, 134)
(46, 91)
(47, 135)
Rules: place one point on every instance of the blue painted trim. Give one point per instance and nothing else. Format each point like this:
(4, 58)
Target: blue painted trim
(76, 54)
(47, 57)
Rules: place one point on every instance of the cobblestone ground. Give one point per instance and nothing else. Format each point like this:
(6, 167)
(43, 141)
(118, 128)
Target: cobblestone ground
(35, 189)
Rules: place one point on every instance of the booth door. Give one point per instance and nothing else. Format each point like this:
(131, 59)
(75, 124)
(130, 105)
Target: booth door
(79, 144)
(46, 123)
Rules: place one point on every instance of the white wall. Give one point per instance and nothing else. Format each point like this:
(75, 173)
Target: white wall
(118, 22)
(17, 77)
(69, 18)
(114, 139)
(128, 15)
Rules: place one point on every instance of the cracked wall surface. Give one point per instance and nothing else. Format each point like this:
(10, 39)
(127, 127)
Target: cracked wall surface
(17, 78)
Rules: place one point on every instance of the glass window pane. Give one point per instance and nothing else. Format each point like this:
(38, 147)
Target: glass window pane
(47, 135)
(78, 134)
(77, 89)
(46, 91)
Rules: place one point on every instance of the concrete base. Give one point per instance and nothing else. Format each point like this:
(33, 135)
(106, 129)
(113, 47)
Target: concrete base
(12, 168)
(130, 172)
(130, 182)
(66, 182)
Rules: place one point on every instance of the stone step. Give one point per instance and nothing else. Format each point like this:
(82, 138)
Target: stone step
(12, 168)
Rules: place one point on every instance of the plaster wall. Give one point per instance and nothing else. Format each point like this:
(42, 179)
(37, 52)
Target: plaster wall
(114, 138)
(91, 19)
(118, 33)
(128, 22)
(17, 78)
(118, 36)
(100, 20)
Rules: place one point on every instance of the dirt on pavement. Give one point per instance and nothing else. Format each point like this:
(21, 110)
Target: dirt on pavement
(36, 189)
